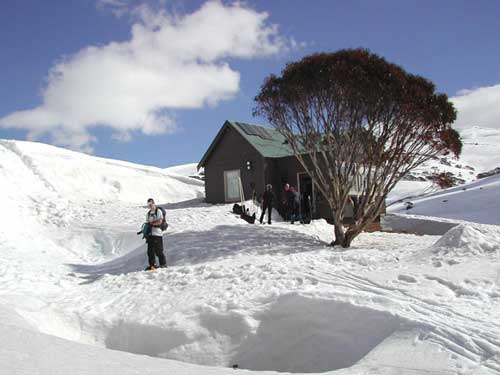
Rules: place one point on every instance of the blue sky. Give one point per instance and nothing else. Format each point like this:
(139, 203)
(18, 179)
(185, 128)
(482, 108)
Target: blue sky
(454, 43)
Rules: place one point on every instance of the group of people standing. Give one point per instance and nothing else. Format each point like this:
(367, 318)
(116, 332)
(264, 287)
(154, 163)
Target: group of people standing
(290, 200)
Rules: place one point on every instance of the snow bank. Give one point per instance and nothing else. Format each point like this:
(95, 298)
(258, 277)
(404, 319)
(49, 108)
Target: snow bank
(301, 334)
(28, 352)
(295, 333)
(469, 239)
(67, 199)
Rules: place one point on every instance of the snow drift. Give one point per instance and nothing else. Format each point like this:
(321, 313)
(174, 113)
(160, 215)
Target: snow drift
(468, 239)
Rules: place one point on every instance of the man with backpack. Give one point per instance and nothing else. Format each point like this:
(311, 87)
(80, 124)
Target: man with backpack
(155, 218)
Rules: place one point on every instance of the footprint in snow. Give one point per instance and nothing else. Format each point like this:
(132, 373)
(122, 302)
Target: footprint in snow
(407, 278)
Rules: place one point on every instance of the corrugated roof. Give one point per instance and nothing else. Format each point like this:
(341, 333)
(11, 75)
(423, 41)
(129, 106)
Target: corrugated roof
(267, 141)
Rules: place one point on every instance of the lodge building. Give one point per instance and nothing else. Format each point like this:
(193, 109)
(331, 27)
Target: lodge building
(257, 155)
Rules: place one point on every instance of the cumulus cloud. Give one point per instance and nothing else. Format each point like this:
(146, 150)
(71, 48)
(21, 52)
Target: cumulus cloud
(478, 107)
(170, 62)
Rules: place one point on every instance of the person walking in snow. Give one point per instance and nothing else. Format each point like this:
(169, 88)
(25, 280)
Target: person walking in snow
(154, 218)
(267, 203)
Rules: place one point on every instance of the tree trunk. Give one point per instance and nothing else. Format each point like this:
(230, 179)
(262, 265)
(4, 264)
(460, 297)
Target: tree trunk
(349, 236)
(344, 238)
(340, 236)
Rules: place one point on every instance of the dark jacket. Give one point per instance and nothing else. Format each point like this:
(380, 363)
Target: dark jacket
(290, 198)
(268, 198)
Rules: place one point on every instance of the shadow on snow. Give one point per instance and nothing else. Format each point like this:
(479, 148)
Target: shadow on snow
(194, 247)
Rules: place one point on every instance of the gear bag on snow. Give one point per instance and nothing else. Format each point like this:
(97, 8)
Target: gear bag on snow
(237, 209)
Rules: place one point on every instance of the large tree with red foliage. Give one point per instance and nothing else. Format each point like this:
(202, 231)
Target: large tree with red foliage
(357, 124)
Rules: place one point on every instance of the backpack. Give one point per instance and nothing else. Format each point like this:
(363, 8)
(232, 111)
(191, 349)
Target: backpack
(163, 225)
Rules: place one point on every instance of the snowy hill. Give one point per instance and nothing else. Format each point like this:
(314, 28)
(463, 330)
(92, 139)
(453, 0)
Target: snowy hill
(68, 198)
(477, 202)
(481, 148)
(188, 170)
(59, 171)
(74, 298)
(480, 153)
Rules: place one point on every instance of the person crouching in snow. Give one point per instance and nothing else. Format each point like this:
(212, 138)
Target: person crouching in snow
(267, 203)
(154, 218)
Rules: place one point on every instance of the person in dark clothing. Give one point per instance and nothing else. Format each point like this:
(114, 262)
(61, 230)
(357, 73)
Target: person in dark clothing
(284, 200)
(295, 205)
(267, 203)
(154, 218)
(306, 208)
(290, 204)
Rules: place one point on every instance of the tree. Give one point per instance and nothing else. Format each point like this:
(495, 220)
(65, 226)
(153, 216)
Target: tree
(357, 124)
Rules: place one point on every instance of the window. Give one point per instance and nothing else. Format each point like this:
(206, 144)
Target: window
(232, 185)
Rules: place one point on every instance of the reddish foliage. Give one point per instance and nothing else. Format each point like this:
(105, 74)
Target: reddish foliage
(353, 111)
(444, 180)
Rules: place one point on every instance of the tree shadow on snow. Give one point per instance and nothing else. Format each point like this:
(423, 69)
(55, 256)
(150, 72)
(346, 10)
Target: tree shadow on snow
(194, 247)
(190, 203)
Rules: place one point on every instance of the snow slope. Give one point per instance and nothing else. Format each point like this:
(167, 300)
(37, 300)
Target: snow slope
(481, 148)
(477, 202)
(188, 170)
(265, 298)
(64, 172)
(480, 153)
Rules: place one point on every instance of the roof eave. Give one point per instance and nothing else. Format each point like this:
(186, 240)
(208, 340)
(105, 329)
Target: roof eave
(207, 153)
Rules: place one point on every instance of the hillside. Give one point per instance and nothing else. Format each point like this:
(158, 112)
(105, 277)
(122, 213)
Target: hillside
(476, 201)
(188, 170)
(480, 156)
(481, 148)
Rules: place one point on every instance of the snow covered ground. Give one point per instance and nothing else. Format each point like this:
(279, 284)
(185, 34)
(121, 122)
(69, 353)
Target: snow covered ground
(74, 298)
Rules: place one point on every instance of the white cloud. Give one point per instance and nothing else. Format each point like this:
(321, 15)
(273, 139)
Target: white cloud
(170, 62)
(117, 7)
(478, 107)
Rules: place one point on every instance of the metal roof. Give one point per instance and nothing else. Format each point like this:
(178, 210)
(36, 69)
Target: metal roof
(267, 141)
